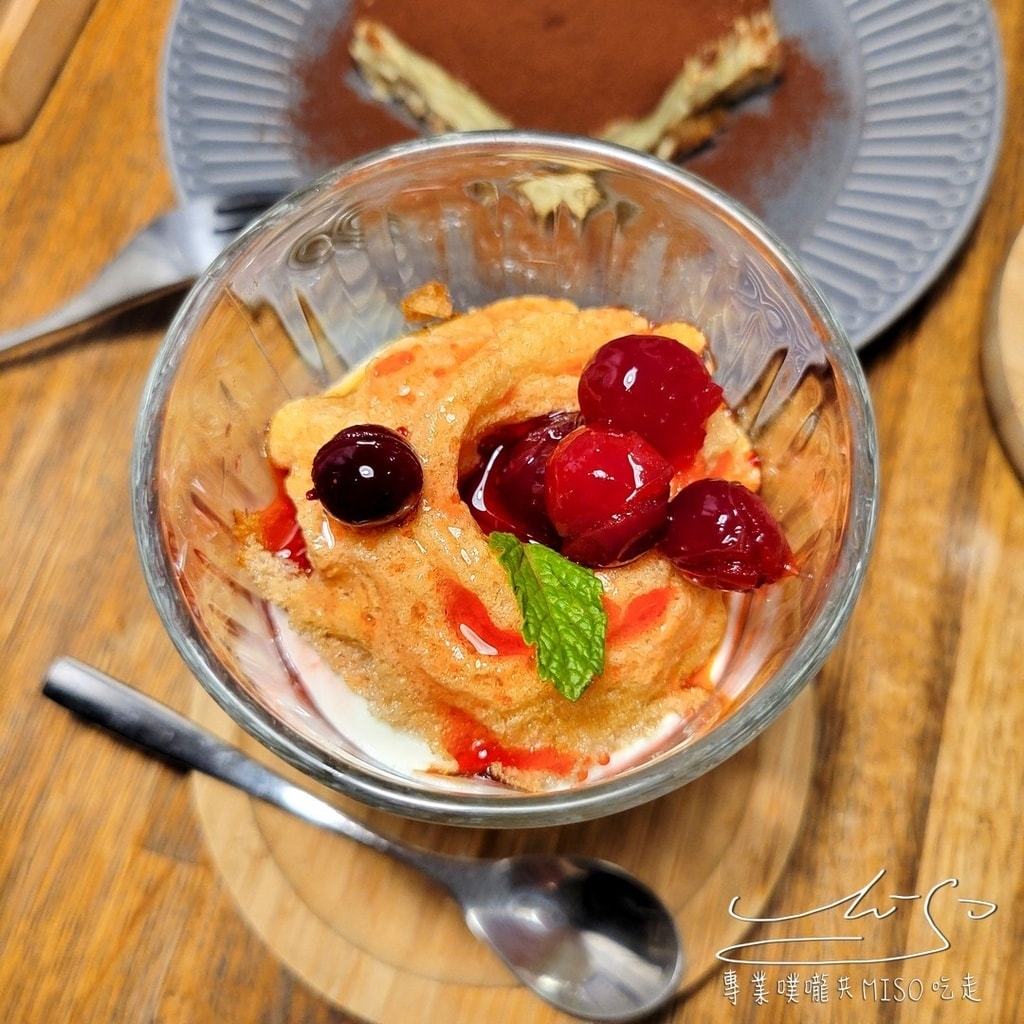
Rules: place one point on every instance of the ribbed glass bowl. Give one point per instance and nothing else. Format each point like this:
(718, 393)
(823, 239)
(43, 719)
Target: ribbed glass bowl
(314, 288)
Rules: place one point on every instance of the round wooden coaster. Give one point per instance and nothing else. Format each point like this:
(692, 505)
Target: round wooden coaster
(1003, 356)
(382, 943)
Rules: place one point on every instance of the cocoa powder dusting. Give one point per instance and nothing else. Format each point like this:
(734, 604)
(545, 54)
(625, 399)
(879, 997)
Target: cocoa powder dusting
(766, 141)
(335, 120)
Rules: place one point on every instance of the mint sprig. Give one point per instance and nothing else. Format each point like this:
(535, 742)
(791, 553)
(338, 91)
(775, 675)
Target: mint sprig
(563, 616)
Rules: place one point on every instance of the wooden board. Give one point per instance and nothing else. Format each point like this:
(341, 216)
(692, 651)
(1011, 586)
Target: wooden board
(382, 943)
(1003, 356)
(35, 39)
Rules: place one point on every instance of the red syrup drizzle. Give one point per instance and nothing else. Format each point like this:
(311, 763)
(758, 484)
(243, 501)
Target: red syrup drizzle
(476, 750)
(726, 466)
(473, 746)
(278, 524)
(470, 620)
(393, 362)
(641, 614)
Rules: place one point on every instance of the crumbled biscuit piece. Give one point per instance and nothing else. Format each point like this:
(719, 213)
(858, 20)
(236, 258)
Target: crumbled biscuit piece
(427, 303)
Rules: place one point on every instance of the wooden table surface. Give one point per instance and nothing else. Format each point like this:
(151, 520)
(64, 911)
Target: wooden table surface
(111, 907)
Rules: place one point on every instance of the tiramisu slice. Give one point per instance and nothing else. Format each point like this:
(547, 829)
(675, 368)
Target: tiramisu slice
(657, 78)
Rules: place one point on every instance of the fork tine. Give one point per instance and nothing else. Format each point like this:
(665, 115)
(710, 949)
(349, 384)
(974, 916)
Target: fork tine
(234, 212)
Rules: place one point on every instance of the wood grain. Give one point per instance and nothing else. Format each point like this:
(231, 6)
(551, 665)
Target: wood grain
(35, 37)
(112, 907)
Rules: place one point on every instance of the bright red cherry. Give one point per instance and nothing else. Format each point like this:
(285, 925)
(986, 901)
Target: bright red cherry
(606, 492)
(721, 535)
(654, 386)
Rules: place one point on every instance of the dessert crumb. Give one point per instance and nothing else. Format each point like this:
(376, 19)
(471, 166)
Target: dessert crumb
(430, 301)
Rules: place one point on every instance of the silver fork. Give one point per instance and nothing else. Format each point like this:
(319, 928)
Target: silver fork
(165, 256)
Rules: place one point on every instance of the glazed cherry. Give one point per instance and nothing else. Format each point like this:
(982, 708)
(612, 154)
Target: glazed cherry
(654, 386)
(606, 492)
(721, 535)
(625, 535)
(367, 475)
(505, 490)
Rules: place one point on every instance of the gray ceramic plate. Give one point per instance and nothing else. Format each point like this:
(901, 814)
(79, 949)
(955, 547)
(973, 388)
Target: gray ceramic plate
(881, 148)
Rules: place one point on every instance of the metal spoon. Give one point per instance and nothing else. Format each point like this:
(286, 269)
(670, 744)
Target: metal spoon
(584, 935)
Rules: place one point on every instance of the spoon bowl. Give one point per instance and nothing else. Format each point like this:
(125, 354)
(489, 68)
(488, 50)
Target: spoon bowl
(583, 934)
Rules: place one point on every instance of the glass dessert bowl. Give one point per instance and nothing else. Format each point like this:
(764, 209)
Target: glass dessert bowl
(313, 290)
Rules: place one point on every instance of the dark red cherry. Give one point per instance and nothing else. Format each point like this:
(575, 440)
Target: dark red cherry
(367, 475)
(606, 492)
(624, 536)
(479, 490)
(722, 535)
(654, 386)
(523, 472)
(505, 489)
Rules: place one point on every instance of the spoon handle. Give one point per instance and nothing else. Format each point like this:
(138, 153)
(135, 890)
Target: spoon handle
(101, 699)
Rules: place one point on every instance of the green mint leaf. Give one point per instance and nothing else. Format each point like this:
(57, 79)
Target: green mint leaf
(563, 616)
